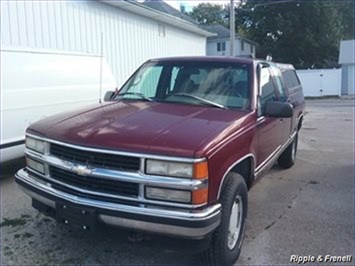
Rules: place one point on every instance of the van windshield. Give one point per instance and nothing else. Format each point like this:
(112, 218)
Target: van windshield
(219, 85)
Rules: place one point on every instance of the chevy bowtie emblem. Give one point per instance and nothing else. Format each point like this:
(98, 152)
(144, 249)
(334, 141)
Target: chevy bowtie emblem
(82, 170)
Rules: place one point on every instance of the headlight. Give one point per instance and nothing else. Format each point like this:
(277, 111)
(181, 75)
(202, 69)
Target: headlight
(35, 144)
(169, 168)
(168, 194)
(177, 169)
(35, 165)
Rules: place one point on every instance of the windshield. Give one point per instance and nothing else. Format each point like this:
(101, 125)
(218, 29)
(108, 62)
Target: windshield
(219, 85)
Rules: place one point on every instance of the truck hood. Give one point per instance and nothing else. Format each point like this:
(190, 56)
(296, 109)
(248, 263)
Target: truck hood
(144, 127)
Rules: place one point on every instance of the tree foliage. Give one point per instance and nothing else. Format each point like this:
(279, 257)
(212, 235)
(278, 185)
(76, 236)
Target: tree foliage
(304, 33)
(207, 14)
(346, 11)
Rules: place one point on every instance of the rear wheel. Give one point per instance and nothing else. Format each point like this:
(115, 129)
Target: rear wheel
(288, 157)
(227, 240)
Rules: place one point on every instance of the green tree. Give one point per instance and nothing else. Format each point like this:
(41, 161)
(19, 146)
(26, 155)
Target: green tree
(346, 11)
(207, 14)
(304, 33)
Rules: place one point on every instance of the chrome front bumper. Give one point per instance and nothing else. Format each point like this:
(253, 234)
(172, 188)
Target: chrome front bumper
(175, 222)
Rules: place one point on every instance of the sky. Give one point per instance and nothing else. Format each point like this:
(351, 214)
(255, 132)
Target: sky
(189, 4)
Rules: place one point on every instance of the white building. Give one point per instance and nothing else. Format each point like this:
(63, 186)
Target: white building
(219, 45)
(132, 32)
(347, 61)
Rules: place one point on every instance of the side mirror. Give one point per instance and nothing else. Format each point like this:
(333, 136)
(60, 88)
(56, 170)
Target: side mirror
(108, 96)
(279, 109)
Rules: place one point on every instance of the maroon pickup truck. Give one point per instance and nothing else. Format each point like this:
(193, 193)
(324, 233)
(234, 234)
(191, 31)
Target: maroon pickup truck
(173, 152)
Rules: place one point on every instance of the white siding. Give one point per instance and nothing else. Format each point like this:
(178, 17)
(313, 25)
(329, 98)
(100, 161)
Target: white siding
(128, 39)
(346, 58)
(346, 54)
(212, 48)
(246, 50)
(320, 82)
(351, 79)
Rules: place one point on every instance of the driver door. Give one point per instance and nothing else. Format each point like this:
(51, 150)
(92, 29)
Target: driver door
(269, 129)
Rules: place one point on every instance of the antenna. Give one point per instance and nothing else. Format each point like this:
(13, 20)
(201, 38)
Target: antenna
(101, 58)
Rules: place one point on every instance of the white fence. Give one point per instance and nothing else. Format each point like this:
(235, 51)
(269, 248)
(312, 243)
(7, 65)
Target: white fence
(320, 82)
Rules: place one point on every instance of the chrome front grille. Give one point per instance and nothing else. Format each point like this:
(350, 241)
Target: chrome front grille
(95, 159)
(106, 175)
(90, 183)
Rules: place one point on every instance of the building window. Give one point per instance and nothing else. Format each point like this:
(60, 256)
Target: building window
(251, 48)
(242, 45)
(221, 46)
(161, 29)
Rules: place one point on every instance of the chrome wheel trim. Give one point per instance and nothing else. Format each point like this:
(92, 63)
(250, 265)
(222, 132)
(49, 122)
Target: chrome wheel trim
(235, 222)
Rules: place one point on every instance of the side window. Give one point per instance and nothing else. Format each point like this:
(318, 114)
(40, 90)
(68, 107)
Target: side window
(221, 46)
(267, 88)
(174, 73)
(279, 84)
(290, 78)
(286, 79)
(295, 80)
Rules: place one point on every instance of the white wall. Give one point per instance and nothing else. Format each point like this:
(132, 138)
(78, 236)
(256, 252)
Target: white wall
(348, 85)
(346, 54)
(320, 82)
(351, 80)
(128, 39)
(212, 48)
(246, 50)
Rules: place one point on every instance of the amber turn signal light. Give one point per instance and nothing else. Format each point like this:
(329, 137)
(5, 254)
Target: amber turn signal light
(199, 196)
(201, 170)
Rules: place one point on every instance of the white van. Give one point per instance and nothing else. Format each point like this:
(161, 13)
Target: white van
(36, 83)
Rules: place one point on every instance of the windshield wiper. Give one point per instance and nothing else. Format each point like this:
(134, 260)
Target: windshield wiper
(201, 100)
(137, 94)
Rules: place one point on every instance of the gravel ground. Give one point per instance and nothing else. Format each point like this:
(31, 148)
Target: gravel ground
(305, 210)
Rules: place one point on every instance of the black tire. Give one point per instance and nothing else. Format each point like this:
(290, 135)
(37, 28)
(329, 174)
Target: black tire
(219, 253)
(288, 157)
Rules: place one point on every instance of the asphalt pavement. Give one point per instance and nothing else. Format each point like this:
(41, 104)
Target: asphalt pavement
(301, 213)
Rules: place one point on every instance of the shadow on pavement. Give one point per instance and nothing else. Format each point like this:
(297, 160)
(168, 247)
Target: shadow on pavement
(8, 169)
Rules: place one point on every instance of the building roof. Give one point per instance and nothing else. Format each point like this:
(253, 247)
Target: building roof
(222, 33)
(161, 16)
(166, 8)
(346, 54)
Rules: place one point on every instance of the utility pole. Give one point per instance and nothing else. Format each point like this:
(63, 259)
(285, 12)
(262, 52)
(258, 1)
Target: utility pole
(232, 28)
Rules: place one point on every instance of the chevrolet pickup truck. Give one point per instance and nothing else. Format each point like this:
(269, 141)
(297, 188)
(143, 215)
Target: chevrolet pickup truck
(173, 152)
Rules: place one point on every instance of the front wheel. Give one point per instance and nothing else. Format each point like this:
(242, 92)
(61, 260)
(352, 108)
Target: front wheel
(288, 157)
(227, 240)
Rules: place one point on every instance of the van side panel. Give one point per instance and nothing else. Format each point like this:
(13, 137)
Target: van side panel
(37, 84)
